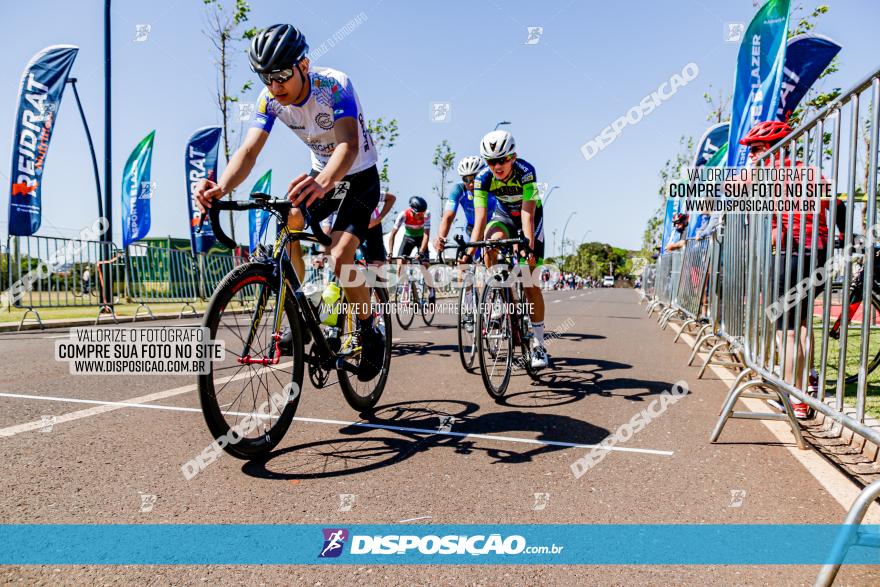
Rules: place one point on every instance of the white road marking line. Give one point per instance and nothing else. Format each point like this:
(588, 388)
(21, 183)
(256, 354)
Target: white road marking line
(414, 519)
(556, 301)
(573, 297)
(133, 404)
(104, 406)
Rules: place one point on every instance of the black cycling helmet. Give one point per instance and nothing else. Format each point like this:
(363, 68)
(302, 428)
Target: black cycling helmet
(279, 46)
(418, 204)
(679, 218)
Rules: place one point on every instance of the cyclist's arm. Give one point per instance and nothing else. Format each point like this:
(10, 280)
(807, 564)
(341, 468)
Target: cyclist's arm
(529, 205)
(426, 238)
(528, 222)
(389, 203)
(446, 224)
(308, 189)
(347, 142)
(479, 223)
(243, 160)
(376, 220)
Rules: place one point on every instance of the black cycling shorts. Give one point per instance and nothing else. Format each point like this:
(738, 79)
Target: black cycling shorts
(511, 225)
(354, 199)
(409, 243)
(374, 246)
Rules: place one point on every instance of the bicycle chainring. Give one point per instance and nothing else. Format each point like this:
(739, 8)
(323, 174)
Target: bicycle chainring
(317, 375)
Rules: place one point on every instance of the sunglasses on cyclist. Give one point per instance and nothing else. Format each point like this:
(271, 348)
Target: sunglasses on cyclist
(468, 178)
(499, 161)
(756, 148)
(280, 76)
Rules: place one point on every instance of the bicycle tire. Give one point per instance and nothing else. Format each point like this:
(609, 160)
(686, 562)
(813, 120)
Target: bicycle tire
(256, 274)
(348, 381)
(426, 308)
(467, 352)
(405, 320)
(486, 328)
(524, 338)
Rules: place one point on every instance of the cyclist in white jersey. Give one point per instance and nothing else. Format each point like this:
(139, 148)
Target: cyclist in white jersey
(320, 105)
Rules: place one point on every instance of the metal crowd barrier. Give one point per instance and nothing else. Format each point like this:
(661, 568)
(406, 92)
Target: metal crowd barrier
(213, 268)
(776, 316)
(663, 284)
(52, 272)
(648, 277)
(688, 295)
(158, 274)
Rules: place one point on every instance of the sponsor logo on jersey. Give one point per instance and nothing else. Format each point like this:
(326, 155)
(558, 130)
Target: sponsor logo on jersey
(324, 120)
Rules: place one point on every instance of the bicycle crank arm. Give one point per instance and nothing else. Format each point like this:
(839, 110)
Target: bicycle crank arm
(346, 366)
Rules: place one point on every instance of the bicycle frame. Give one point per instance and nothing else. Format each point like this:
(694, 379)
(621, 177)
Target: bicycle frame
(288, 280)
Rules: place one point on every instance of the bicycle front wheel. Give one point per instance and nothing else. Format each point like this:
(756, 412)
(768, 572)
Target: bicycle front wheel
(250, 397)
(364, 395)
(495, 340)
(426, 308)
(403, 305)
(467, 326)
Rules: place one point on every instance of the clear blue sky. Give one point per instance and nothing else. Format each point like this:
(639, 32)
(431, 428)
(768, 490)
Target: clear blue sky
(594, 61)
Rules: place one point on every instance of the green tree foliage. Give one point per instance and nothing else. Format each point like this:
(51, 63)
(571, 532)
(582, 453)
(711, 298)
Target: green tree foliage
(671, 170)
(385, 136)
(223, 28)
(597, 260)
(443, 161)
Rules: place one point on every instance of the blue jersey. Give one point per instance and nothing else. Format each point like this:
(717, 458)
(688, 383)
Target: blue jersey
(464, 198)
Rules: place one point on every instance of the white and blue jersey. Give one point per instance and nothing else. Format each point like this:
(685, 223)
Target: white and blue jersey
(331, 97)
(463, 198)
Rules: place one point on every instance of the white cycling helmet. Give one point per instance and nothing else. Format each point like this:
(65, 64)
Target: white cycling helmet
(497, 144)
(470, 166)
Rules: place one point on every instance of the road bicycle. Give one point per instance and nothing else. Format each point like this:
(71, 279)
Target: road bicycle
(468, 297)
(410, 295)
(502, 324)
(249, 398)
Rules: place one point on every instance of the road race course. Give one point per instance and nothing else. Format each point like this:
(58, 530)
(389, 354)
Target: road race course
(613, 361)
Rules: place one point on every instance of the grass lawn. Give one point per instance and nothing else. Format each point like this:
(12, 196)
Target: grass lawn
(72, 312)
(854, 343)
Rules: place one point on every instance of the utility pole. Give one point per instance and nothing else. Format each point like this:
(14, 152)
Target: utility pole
(107, 236)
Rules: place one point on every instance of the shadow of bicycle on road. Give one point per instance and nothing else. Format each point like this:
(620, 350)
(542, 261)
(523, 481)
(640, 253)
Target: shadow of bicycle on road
(421, 426)
(421, 348)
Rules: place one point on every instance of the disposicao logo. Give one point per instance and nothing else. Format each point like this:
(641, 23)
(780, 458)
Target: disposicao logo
(334, 540)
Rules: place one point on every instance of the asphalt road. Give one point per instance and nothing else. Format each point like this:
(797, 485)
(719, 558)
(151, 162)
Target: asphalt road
(97, 463)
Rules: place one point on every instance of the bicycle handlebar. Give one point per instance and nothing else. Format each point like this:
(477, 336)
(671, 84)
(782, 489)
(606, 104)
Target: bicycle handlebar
(259, 201)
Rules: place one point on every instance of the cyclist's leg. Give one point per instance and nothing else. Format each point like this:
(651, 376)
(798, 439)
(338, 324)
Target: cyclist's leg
(530, 288)
(374, 252)
(349, 231)
(295, 221)
(499, 227)
(406, 247)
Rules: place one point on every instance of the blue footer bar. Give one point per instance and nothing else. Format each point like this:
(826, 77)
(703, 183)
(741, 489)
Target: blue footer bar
(154, 544)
